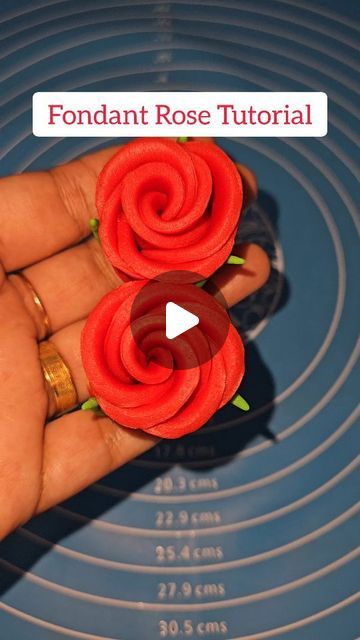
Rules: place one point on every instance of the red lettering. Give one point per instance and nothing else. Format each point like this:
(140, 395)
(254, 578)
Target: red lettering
(52, 112)
(162, 112)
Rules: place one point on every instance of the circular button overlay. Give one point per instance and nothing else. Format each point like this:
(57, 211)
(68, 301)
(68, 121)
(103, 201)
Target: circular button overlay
(171, 305)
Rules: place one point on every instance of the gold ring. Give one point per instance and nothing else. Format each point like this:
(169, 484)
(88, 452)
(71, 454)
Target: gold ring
(58, 379)
(41, 317)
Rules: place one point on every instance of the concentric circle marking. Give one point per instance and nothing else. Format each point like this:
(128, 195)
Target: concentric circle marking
(244, 524)
(178, 570)
(258, 636)
(238, 489)
(305, 34)
(260, 557)
(205, 606)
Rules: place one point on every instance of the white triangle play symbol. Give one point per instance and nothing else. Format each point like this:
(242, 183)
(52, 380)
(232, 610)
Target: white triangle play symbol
(178, 320)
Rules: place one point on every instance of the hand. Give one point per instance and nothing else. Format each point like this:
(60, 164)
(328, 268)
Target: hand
(43, 217)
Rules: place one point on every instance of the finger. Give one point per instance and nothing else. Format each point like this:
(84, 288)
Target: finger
(80, 448)
(69, 284)
(236, 282)
(46, 211)
(250, 185)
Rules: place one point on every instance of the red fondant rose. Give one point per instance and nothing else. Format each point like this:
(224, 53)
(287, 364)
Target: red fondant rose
(168, 206)
(145, 381)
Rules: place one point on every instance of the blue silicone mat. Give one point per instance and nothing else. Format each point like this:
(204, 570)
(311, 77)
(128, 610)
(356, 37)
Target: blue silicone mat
(247, 529)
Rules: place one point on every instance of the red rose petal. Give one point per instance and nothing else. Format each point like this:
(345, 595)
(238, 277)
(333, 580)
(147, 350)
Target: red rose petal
(141, 379)
(165, 206)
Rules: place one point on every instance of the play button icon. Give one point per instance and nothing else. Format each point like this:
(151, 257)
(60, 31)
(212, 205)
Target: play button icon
(178, 320)
(175, 325)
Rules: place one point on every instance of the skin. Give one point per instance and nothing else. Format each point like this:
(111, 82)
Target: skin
(43, 216)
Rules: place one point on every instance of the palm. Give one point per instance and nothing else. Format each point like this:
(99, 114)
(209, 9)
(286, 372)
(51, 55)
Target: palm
(43, 217)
